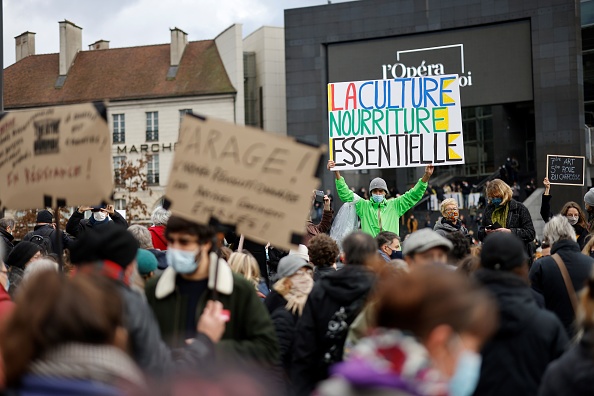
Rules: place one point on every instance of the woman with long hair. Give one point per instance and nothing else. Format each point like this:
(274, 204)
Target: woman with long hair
(574, 213)
(246, 265)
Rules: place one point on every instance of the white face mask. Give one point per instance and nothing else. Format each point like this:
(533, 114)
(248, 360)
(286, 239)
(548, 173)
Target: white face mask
(99, 216)
(573, 219)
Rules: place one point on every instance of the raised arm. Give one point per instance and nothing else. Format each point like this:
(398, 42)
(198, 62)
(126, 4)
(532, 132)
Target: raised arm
(344, 193)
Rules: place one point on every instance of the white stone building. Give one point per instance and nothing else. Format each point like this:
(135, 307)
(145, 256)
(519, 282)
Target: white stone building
(150, 88)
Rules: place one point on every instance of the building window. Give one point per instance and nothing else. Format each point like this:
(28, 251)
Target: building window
(120, 204)
(119, 128)
(152, 170)
(182, 113)
(152, 126)
(119, 161)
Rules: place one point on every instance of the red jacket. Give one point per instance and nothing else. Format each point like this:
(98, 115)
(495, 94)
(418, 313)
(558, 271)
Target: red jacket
(6, 305)
(158, 237)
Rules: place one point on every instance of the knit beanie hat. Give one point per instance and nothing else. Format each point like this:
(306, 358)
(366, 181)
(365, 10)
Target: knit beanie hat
(117, 245)
(44, 216)
(378, 182)
(147, 262)
(22, 253)
(589, 197)
(85, 249)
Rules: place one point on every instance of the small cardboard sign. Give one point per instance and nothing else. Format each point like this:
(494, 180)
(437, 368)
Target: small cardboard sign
(259, 182)
(55, 156)
(566, 170)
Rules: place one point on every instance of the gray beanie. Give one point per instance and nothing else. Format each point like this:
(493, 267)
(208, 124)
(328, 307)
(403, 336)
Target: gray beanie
(378, 182)
(589, 197)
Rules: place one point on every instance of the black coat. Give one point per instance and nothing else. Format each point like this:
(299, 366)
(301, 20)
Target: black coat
(571, 374)
(518, 221)
(50, 232)
(320, 330)
(546, 279)
(284, 325)
(545, 212)
(322, 271)
(7, 245)
(527, 340)
(77, 224)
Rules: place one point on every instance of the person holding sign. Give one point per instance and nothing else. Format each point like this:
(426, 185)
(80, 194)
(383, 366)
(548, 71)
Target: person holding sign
(571, 210)
(378, 213)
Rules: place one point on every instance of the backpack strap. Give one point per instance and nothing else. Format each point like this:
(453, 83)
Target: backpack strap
(567, 280)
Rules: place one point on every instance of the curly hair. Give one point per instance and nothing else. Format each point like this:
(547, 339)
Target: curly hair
(323, 251)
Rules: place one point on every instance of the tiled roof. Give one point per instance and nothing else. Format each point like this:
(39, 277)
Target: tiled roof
(116, 74)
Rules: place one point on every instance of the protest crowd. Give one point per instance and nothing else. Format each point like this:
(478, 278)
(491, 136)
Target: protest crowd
(182, 308)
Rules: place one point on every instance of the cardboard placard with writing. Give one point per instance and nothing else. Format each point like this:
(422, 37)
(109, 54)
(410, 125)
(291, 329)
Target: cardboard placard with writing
(259, 182)
(566, 170)
(395, 123)
(55, 156)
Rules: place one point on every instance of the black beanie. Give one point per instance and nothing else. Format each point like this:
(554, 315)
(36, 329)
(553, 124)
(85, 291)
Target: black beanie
(44, 216)
(117, 244)
(85, 249)
(22, 253)
(503, 252)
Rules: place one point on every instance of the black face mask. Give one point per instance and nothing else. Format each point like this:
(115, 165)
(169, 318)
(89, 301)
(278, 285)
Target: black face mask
(396, 254)
(592, 254)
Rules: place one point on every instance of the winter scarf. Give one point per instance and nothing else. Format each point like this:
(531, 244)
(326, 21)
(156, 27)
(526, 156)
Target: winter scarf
(102, 363)
(296, 294)
(500, 214)
(389, 359)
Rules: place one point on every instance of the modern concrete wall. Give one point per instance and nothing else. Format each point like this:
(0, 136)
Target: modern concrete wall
(268, 43)
(556, 61)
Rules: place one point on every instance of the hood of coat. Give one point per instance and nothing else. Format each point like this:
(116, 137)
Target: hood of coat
(516, 304)
(347, 284)
(166, 283)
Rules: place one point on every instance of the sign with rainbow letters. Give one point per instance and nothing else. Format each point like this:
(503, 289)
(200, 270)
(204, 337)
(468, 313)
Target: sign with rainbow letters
(395, 123)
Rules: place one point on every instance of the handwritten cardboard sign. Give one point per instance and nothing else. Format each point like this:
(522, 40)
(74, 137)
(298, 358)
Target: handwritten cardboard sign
(55, 156)
(260, 182)
(566, 170)
(400, 122)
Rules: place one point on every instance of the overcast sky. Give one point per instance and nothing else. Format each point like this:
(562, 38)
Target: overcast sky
(128, 23)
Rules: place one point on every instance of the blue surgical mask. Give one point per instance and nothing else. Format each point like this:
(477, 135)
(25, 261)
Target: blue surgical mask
(467, 374)
(396, 254)
(7, 284)
(183, 262)
(377, 198)
(496, 201)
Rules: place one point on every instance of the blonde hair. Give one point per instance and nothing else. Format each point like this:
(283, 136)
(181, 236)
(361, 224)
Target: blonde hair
(446, 202)
(500, 187)
(245, 265)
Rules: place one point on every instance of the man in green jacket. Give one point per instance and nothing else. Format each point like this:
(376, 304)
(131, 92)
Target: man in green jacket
(180, 294)
(379, 214)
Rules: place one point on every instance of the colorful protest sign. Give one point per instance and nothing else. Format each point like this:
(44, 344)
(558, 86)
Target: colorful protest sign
(401, 122)
(259, 182)
(55, 156)
(566, 170)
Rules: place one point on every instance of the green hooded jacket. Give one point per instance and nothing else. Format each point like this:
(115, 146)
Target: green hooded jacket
(388, 211)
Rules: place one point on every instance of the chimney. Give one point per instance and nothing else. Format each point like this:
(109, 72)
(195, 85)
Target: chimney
(70, 44)
(25, 45)
(179, 40)
(99, 45)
